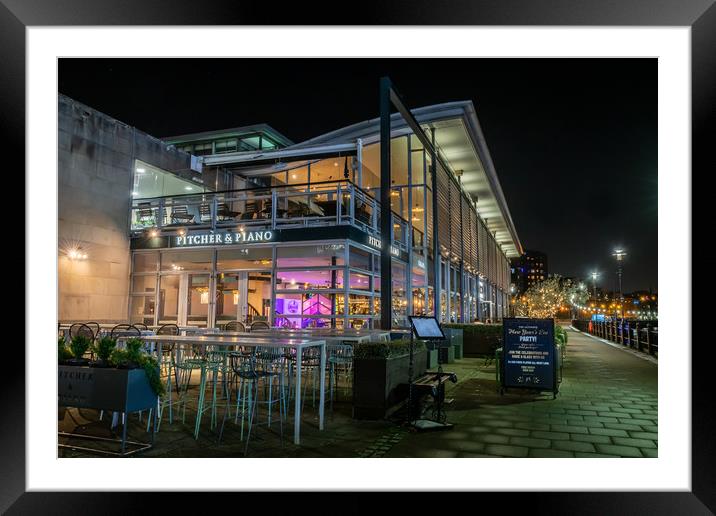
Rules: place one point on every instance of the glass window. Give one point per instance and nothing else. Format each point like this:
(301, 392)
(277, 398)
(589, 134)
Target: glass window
(251, 141)
(331, 169)
(309, 279)
(304, 309)
(247, 258)
(169, 299)
(229, 145)
(186, 260)
(144, 284)
(371, 167)
(399, 161)
(145, 262)
(151, 181)
(359, 281)
(310, 256)
(141, 310)
(360, 259)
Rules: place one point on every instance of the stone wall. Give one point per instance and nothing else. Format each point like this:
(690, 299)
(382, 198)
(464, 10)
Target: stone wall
(95, 163)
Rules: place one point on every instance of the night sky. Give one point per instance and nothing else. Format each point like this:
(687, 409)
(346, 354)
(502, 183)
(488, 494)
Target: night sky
(574, 141)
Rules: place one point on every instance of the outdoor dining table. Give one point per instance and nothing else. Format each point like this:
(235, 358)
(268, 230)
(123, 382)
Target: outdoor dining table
(329, 338)
(252, 341)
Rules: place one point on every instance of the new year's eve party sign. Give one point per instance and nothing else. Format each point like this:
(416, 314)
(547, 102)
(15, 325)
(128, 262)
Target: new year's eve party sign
(528, 354)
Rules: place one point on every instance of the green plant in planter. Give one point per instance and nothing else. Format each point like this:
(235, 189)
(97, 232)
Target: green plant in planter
(79, 346)
(132, 357)
(104, 348)
(62, 352)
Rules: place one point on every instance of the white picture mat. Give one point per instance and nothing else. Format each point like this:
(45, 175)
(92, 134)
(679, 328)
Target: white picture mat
(670, 471)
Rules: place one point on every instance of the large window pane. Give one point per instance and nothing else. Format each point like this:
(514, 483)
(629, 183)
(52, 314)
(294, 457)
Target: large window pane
(186, 260)
(145, 262)
(141, 310)
(309, 279)
(151, 181)
(144, 284)
(310, 256)
(247, 258)
(169, 298)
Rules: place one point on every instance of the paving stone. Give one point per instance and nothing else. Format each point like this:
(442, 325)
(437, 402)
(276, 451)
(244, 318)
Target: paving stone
(507, 450)
(638, 421)
(622, 426)
(497, 423)
(582, 412)
(627, 410)
(650, 428)
(513, 432)
(616, 449)
(574, 446)
(581, 455)
(600, 419)
(530, 442)
(644, 435)
(570, 429)
(532, 426)
(549, 435)
(652, 453)
(548, 453)
(608, 431)
(639, 443)
(591, 438)
(492, 438)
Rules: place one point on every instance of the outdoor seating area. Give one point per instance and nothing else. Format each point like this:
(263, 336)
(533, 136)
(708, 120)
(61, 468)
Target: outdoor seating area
(218, 383)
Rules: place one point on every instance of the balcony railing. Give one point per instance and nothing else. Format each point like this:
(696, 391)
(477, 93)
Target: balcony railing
(330, 203)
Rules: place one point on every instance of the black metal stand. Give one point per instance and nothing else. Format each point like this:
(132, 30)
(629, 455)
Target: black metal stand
(123, 442)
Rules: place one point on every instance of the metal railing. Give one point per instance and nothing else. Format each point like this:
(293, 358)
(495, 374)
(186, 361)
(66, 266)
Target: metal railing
(330, 203)
(642, 335)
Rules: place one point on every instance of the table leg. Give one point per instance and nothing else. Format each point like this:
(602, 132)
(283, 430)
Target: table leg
(323, 387)
(297, 400)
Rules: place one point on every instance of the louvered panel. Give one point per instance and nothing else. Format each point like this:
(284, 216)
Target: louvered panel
(473, 238)
(443, 208)
(465, 222)
(482, 248)
(455, 224)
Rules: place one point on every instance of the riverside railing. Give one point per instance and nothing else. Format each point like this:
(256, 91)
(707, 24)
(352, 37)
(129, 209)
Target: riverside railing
(642, 335)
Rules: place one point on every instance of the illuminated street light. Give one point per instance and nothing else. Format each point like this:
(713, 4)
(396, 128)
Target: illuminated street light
(619, 254)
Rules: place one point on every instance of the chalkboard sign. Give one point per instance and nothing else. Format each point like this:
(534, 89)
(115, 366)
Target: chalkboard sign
(528, 354)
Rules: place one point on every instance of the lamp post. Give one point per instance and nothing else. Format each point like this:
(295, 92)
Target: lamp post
(594, 284)
(619, 254)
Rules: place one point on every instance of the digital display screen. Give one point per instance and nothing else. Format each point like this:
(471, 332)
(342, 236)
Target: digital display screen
(427, 328)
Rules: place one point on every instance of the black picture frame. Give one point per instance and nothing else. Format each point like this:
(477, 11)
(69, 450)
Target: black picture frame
(699, 15)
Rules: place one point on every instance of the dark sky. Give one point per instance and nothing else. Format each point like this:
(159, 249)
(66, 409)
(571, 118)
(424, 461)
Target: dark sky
(574, 141)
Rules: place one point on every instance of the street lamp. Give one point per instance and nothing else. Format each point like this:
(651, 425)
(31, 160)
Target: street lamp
(595, 274)
(619, 254)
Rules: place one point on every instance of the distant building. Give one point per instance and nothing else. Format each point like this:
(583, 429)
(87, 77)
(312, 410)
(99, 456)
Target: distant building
(529, 269)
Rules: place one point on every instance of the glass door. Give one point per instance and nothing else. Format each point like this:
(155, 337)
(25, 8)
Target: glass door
(198, 299)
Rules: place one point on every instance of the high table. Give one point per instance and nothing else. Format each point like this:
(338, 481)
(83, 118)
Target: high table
(252, 341)
(269, 334)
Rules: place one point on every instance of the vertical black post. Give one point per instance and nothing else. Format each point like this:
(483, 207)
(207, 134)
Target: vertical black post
(436, 243)
(386, 290)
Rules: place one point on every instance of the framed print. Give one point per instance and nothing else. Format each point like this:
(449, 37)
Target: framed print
(253, 206)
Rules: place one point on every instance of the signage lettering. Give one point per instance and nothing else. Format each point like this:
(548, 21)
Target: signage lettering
(529, 354)
(224, 238)
(378, 244)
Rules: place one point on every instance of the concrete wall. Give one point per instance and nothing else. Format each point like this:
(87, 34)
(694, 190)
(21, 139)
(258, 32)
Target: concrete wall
(95, 164)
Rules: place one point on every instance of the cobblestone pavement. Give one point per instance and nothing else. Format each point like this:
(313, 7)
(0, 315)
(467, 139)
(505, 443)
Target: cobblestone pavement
(607, 407)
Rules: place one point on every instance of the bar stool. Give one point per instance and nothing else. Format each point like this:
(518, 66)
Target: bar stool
(340, 359)
(210, 363)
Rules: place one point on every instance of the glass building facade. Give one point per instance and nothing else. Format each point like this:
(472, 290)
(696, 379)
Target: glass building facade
(291, 235)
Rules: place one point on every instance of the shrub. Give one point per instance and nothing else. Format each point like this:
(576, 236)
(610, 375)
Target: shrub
(134, 356)
(104, 348)
(384, 350)
(79, 346)
(62, 352)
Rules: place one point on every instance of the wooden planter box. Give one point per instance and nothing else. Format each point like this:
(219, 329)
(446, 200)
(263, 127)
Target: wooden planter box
(381, 385)
(120, 390)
